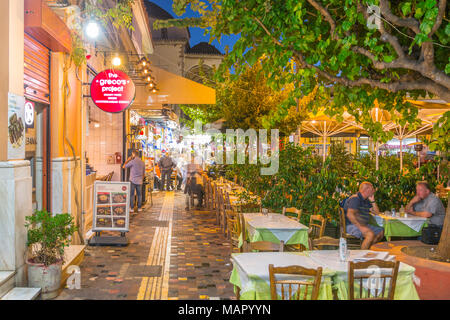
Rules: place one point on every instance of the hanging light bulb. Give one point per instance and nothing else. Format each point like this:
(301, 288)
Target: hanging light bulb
(116, 61)
(92, 29)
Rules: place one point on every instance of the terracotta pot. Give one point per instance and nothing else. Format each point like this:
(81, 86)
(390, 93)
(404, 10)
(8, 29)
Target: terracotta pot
(434, 275)
(48, 278)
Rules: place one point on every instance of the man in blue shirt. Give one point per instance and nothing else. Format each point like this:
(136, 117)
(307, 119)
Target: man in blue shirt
(137, 171)
(357, 213)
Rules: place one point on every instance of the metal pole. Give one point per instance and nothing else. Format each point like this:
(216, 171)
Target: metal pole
(376, 156)
(401, 155)
(324, 140)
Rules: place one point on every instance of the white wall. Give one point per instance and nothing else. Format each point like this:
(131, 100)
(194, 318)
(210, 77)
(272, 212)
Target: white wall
(104, 141)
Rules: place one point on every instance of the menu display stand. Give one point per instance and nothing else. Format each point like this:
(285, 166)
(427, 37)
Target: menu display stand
(111, 212)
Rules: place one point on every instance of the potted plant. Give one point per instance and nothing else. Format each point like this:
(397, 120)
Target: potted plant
(48, 235)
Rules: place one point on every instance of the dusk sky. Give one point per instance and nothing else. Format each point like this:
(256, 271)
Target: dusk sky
(197, 34)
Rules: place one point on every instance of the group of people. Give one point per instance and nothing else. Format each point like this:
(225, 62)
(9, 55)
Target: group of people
(190, 176)
(358, 207)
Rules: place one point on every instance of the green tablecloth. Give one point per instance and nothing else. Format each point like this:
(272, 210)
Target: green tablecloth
(251, 273)
(276, 229)
(397, 228)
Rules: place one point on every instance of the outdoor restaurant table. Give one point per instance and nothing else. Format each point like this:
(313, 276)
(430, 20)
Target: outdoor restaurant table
(251, 273)
(274, 228)
(397, 226)
(404, 290)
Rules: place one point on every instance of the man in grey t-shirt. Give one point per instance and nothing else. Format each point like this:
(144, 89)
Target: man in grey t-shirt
(426, 204)
(137, 171)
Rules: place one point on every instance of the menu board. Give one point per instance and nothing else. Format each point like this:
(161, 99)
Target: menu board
(111, 206)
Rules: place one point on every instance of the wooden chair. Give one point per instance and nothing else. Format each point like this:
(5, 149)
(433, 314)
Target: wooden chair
(315, 234)
(292, 294)
(353, 243)
(233, 230)
(217, 204)
(316, 226)
(263, 246)
(221, 209)
(292, 213)
(210, 198)
(392, 277)
(250, 208)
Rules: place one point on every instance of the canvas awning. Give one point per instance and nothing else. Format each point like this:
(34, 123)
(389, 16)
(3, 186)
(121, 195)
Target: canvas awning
(173, 89)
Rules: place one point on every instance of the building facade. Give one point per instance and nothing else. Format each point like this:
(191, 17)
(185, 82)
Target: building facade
(46, 119)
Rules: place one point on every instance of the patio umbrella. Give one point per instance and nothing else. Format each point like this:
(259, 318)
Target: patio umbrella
(378, 115)
(325, 126)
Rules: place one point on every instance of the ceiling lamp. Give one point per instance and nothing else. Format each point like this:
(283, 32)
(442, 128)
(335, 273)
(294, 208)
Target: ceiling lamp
(116, 61)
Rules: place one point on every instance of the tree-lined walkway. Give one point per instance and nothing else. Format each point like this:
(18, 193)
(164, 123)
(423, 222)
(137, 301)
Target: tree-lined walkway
(173, 254)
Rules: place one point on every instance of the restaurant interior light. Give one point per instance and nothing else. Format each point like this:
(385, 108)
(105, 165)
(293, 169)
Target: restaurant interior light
(116, 61)
(92, 29)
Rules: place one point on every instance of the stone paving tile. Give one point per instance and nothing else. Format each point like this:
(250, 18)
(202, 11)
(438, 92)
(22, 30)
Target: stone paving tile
(200, 264)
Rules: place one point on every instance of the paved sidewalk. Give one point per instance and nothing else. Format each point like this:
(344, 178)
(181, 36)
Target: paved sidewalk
(173, 254)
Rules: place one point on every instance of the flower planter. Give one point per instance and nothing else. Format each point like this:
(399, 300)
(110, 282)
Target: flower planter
(48, 278)
(434, 275)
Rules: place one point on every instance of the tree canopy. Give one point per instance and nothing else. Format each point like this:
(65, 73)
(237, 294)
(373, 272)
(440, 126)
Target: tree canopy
(248, 102)
(331, 45)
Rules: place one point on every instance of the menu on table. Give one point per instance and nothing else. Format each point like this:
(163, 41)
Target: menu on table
(111, 206)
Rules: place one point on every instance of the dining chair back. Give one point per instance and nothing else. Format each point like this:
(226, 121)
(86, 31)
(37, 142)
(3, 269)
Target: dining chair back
(233, 227)
(353, 243)
(250, 208)
(263, 246)
(295, 289)
(292, 213)
(372, 287)
(316, 226)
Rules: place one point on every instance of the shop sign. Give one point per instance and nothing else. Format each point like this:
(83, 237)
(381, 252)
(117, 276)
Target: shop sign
(111, 206)
(113, 91)
(29, 114)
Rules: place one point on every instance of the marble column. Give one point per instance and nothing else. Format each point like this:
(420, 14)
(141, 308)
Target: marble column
(16, 204)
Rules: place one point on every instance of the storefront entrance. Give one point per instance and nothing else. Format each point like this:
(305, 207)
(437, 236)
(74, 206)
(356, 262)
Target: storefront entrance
(37, 119)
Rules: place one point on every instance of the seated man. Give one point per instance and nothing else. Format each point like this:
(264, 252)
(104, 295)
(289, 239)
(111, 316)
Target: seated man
(357, 209)
(426, 204)
(194, 183)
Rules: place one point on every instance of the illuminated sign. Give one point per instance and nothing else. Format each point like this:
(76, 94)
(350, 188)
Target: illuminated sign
(113, 91)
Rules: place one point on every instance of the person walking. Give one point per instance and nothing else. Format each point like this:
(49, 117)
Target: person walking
(137, 172)
(166, 164)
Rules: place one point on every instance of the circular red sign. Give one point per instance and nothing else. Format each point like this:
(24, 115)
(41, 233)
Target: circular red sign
(113, 91)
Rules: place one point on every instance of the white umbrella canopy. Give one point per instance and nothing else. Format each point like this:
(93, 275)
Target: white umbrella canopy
(325, 126)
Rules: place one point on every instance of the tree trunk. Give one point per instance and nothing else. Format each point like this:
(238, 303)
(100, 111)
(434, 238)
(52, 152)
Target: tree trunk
(444, 244)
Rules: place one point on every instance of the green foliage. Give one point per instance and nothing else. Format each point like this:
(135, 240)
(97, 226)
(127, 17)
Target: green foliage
(48, 235)
(306, 183)
(295, 33)
(78, 54)
(440, 137)
(120, 15)
(247, 101)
